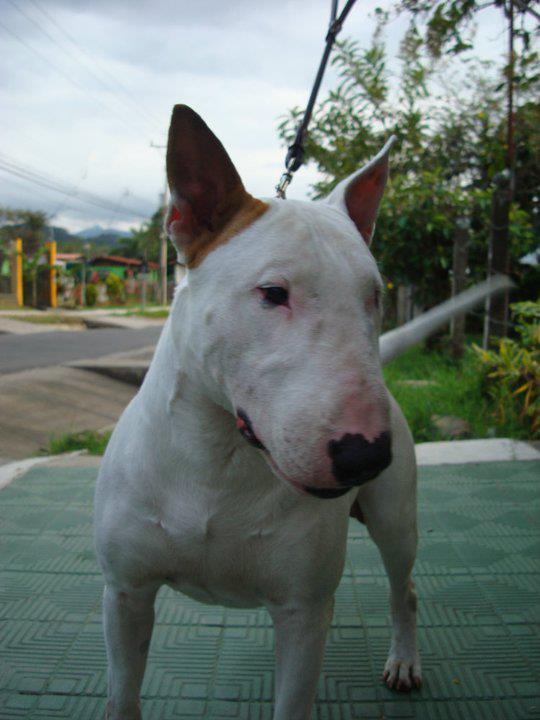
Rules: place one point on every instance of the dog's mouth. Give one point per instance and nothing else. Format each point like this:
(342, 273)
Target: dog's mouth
(243, 423)
(245, 428)
(326, 493)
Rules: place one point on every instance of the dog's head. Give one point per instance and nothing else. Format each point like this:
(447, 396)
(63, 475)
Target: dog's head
(284, 311)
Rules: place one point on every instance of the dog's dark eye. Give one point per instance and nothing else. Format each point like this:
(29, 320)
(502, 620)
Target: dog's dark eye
(274, 295)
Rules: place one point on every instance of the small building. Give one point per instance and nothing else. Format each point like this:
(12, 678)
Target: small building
(123, 267)
(68, 260)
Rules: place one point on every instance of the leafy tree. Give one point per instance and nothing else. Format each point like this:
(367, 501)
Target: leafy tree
(144, 242)
(442, 26)
(30, 225)
(449, 148)
(449, 24)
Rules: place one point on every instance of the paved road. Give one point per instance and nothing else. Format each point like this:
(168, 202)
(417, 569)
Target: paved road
(23, 352)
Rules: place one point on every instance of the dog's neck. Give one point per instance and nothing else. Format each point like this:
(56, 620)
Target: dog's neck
(200, 434)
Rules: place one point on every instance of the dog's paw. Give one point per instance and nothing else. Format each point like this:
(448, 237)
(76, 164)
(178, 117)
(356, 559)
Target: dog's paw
(402, 673)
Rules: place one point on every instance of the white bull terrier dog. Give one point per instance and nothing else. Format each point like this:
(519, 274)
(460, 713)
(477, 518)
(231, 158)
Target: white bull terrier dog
(262, 425)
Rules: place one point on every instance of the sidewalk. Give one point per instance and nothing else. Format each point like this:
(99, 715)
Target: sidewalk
(89, 319)
(50, 401)
(20, 327)
(477, 576)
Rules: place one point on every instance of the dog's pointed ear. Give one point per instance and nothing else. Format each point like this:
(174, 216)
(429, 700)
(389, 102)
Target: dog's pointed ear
(206, 189)
(360, 194)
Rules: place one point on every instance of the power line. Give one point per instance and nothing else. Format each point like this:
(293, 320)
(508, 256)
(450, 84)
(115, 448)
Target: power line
(75, 83)
(135, 102)
(26, 173)
(31, 142)
(44, 193)
(69, 193)
(37, 191)
(71, 56)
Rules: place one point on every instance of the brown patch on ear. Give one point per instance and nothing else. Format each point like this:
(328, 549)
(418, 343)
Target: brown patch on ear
(200, 171)
(196, 250)
(209, 202)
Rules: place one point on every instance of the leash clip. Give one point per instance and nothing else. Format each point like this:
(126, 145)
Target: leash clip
(283, 184)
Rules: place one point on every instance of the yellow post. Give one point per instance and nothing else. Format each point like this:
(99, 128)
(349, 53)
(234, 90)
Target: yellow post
(53, 298)
(18, 267)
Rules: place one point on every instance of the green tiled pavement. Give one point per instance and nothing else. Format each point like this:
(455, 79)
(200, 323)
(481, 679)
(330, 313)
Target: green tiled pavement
(477, 574)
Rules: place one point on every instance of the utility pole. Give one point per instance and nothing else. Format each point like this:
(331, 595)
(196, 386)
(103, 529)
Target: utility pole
(496, 318)
(459, 278)
(163, 239)
(511, 118)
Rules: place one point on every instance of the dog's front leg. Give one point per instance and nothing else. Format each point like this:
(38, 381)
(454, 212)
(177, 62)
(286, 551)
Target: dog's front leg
(128, 617)
(300, 634)
(402, 669)
(393, 528)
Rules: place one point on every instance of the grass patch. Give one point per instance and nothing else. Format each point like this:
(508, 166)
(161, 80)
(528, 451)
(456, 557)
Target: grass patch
(457, 391)
(92, 441)
(46, 319)
(161, 313)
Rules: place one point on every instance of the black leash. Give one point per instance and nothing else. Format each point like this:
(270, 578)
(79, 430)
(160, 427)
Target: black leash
(295, 154)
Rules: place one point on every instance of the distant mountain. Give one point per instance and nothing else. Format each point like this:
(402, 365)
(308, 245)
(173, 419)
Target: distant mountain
(60, 234)
(99, 234)
(96, 245)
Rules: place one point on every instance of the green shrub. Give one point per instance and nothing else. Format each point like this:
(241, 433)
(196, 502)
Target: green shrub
(91, 295)
(91, 441)
(115, 288)
(512, 371)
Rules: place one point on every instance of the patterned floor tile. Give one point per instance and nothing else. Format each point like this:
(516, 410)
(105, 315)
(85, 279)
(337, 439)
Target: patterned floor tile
(477, 576)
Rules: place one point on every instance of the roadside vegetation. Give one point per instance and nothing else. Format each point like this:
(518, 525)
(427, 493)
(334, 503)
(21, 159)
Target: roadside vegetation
(511, 371)
(152, 314)
(427, 384)
(495, 392)
(430, 385)
(93, 442)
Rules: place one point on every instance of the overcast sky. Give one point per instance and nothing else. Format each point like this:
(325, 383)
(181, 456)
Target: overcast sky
(87, 85)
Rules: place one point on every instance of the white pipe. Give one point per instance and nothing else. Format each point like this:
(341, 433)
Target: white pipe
(397, 341)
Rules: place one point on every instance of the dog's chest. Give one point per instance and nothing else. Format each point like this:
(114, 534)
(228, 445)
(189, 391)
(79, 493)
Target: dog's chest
(215, 557)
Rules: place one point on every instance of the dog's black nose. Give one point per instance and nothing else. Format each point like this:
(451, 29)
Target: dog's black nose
(355, 460)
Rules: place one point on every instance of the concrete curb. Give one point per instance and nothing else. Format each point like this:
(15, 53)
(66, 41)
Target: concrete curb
(20, 327)
(15, 469)
(130, 366)
(132, 373)
(460, 452)
(120, 321)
